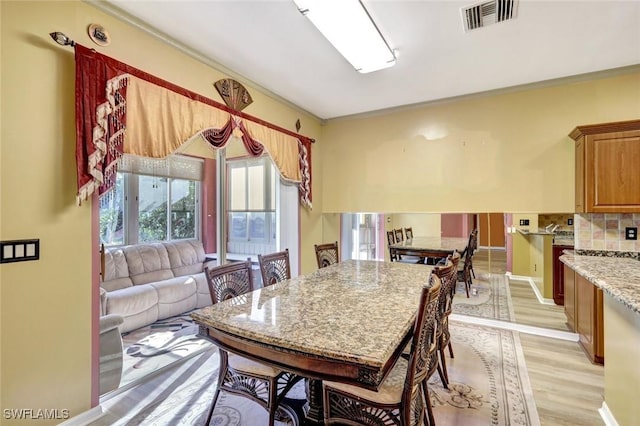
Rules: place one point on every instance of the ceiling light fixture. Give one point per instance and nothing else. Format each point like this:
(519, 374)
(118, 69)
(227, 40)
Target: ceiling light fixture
(349, 28)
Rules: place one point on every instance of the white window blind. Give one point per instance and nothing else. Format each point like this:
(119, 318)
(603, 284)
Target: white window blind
(173, 166)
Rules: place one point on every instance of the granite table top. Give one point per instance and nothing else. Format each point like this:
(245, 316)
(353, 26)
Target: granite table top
(444, 244)
(354, 311)
(616, 276)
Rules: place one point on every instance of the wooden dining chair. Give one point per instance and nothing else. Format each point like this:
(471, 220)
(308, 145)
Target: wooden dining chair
(274, 267)
(327, 254)
(391, 239)
(399, 235)
(448, 274)
(259, 382)
(409, 233)
(464, 271)
(474, 247)
(402, 398)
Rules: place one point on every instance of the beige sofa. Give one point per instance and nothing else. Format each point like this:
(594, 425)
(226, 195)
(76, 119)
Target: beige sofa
(147, 282)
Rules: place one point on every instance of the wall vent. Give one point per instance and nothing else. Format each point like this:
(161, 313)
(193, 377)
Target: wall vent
(487, 13)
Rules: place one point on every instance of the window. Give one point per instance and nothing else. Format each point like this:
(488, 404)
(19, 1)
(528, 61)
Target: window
(251, 208)
(145, 208)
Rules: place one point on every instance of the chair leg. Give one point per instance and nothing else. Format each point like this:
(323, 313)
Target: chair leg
(224, 363)
(427, 398)
(442, 369)
(442, 378)
(450, 349)
(273, 403)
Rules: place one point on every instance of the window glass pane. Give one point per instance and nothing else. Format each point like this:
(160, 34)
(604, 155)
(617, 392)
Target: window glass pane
(238, 189)
(256, 187)
(273, 227)
(238, 226)
(112, 214)
(257, 226)
(152, 215)
(183, 209)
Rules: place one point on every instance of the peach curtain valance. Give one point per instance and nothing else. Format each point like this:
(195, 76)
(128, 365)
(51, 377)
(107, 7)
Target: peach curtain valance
(120, 109)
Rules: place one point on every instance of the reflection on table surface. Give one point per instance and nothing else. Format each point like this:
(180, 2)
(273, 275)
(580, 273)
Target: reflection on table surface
(433, 243)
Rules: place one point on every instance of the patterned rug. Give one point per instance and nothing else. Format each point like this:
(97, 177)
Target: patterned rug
(489, 386)
(489, 298)
(150, 348)
(488, 380)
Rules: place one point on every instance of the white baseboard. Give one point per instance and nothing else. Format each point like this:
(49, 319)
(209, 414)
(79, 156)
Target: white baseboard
(85, 418)
(607, 415)
(522, 328)
(534, 287)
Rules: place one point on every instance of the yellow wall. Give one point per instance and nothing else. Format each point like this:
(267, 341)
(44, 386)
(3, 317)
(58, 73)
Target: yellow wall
(422, 224)
(507, 152)
(45, 311)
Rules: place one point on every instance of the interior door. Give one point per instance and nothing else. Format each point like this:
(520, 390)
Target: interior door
(491, 231)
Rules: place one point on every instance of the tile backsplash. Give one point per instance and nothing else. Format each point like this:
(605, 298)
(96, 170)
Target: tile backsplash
(605, 231)
(556, 219)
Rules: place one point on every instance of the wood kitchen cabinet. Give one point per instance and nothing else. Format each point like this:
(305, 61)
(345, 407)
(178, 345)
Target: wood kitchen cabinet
(589, 318)
(607, 158)
(570, 297)
(583, 306)
(558, 274)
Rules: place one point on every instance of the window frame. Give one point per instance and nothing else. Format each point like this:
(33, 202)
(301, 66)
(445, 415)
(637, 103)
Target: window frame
(131, 209)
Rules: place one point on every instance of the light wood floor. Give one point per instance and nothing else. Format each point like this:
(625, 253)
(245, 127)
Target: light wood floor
(568, 389)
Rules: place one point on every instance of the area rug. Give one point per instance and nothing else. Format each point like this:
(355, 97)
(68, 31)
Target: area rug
(489, 385)
(488, 298)
(488, 380)
(150, 348)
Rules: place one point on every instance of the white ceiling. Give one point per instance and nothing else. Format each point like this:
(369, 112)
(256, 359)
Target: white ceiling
(269, 43)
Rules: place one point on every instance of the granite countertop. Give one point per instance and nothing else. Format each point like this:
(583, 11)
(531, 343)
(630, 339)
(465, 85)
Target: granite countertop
(617, 276)
(525, 231)
(563, 240)
(351, 311)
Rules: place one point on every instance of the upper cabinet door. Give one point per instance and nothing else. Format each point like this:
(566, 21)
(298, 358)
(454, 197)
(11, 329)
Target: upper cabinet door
(607, 167)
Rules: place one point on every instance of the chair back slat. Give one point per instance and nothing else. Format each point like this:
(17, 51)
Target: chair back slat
(327, 254)
(230, 280)
(274, 267)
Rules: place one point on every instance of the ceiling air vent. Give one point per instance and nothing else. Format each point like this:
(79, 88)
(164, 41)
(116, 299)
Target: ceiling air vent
(487, 13)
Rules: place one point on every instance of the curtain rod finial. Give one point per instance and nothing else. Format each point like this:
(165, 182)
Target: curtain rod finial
(62, 39)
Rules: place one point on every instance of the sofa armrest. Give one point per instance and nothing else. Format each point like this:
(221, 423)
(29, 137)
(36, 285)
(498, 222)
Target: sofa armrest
(109, 322)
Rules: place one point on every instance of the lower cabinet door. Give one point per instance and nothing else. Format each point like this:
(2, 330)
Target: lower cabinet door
(570, 297)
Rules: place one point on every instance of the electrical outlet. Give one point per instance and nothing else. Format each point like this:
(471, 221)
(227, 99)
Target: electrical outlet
(524, 222)
(569, 222)
(631, 233)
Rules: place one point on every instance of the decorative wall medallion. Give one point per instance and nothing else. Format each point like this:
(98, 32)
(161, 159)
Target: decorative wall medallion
(99, 35)
(234, 94)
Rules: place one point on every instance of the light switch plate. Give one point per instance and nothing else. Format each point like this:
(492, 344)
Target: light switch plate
(19, 250)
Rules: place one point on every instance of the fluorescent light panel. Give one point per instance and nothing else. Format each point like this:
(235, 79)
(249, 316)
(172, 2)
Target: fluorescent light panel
(349, 28)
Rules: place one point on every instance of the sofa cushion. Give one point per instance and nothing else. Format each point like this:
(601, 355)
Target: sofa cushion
(202, 290)
(138, 305)
(175, 296)
(116, 270)
(148, 263)
(185, 256)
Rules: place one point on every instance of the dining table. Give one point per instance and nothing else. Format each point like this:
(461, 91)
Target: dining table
(429, 247)
(348, 322)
